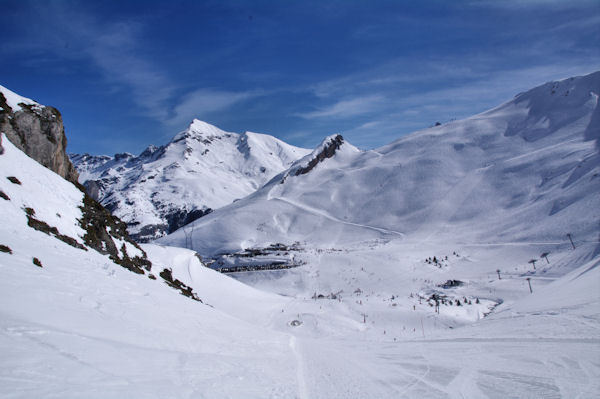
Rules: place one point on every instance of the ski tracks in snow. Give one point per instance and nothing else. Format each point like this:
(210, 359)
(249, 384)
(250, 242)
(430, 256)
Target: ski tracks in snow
(302, 387)
(319, 212)
(334, 372)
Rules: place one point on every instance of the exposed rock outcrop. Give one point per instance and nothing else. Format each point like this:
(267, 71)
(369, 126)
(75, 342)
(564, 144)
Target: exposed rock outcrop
(38, 131)
(102, 228)
(93, 188)
(327, 151)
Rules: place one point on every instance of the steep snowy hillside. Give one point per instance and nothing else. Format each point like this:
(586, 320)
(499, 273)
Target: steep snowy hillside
(527, 170)
(201, 169)
(73, 323)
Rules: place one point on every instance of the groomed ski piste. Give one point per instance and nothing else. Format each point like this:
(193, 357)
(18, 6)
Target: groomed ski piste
(414, 280)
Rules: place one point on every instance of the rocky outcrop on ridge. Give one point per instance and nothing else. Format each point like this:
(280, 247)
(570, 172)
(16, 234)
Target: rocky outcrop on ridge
(38, 131)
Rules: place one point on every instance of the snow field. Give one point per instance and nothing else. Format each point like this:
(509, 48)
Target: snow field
(483, 196)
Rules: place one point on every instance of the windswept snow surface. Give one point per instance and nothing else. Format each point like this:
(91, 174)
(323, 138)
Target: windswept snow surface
(358, 318)
(202, 168)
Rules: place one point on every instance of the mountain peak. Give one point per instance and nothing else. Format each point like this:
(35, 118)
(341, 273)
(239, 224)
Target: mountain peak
(329, 147)
(201, 131)
(205, 168)
(152, 151)
(574, 87)
(199, 126)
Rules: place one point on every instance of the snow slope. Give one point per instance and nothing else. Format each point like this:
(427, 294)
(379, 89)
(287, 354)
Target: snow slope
(201, 169)
(83, 326)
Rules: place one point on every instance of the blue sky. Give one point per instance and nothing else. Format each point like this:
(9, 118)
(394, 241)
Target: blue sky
(126, 74)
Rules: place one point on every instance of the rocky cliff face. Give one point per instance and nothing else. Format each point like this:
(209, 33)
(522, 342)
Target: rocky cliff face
(38, 131)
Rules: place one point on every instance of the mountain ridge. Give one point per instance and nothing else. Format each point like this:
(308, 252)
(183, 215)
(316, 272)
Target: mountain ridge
(526, 158)
(203, 168)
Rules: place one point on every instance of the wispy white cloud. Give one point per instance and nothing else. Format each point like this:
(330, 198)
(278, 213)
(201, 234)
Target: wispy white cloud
(66, 31)
(444, 81)
(113, 49)
(347, 108)
(398, 74)
(405, 113)
(202, 102)
(116, 50)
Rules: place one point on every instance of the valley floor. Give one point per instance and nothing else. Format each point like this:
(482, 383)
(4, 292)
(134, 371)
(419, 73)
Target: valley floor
(378, 338)
(545, 344)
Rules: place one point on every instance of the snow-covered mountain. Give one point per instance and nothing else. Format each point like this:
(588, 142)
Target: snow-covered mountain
(527, 170)
(203, 168)
(480, 294)
(405, 249)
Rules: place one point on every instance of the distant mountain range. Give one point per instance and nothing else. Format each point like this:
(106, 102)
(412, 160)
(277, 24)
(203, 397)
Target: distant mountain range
(203, 168)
